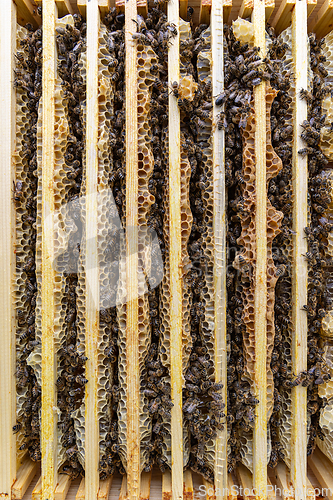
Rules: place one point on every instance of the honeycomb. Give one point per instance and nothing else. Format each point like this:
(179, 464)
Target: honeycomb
(202, 401)
(326, 144)
(243, 30)
(27, 77)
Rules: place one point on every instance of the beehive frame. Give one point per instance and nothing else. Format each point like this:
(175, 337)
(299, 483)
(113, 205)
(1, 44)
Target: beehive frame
(16, 475)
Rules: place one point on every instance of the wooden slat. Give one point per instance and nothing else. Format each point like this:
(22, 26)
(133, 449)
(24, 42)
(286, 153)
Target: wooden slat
(283, 482)
(322, 22)
(227, 5)
(91, 256)
(103, 7)
(260, 296)
(299, 278)
(209, 489)
(104, 488)
(311, 4)
(64, 7)
(25, 475)
(37, 491)
(62, 487)
(282, 18)
(232, 492)
(132, 339)
(269, 7)
(175, 264)
(7, 255)
(310, 491)
(219, 231)
(205, 9)
(270, 490)
(188, 485)
(123, 489)
(322, 469)
(245, 480)
(246, 8)
(145, 486)
(166, 486)
(80, 494)
(183, 9)
(81, 5)
(49, 367)
(27, 13)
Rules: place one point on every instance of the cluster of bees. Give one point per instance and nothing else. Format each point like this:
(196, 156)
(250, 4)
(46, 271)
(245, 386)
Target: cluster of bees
(28, 81)
(202, 401)
(319, 188)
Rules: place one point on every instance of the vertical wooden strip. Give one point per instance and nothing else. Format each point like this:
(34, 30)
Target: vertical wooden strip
(166, 486)
(7, 268)
(299, 283)
(49, 367)
(91, 257)
(132, 338)
(219, 224)
(260, 298)
(175, 265)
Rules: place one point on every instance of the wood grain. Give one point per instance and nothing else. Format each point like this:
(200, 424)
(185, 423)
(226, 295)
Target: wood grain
(175, 264)
(260, 295)
(7, 248)
(49, 367)
(132, 338)
(299, 268)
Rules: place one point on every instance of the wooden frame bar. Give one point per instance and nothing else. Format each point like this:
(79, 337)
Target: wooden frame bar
(7, 268)
(49, 366)
(27, 13)
(132, 311)
(260, 296)
(219, 231)
(205, 11)
(176, 323)
(299, 280)
(246, 9)
(91, 256)
(322, 22)
(25, 475)
(269, 7)
(283, 16)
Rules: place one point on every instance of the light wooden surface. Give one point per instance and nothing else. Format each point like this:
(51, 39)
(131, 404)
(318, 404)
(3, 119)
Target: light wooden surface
(311, 5)
(104, 488)
(62, 487)
(25, 474)
(37, 491)
(91, 256)
(49, 415)
(166, 486)
(175, 264)
(245, 480)
(322, 21)
(123, 490)
(205, 10)
(7, 267)
(80, 494)
(132, 339)
(188, 485)
(269, 7)
(323, 470)
(246, 9)
(283, 16)
(282, 479)
(299, 268)
(145, 486)
(219, 231)
(27, 13)
(260, 296)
